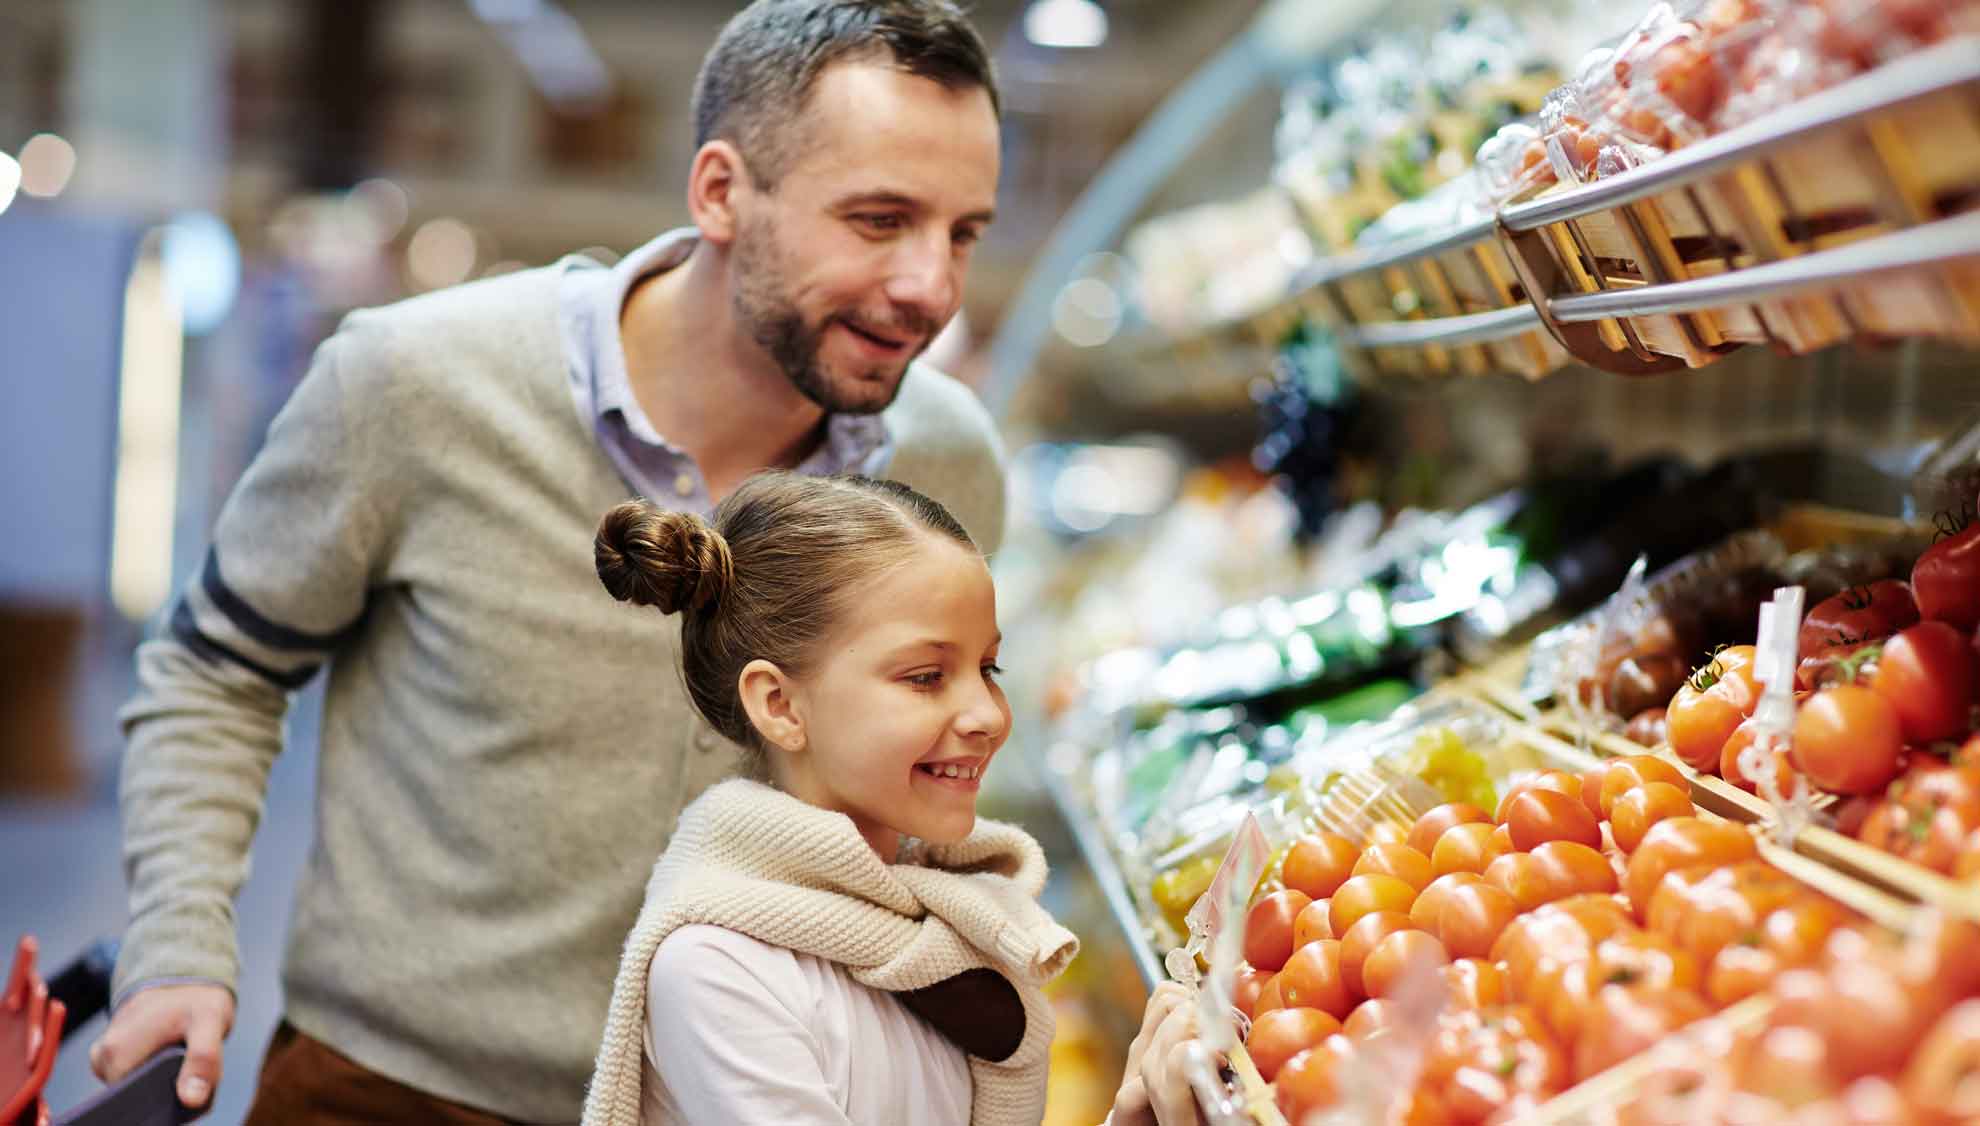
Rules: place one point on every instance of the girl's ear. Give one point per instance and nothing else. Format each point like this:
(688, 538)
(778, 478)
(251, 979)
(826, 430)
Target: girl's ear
(772, 705)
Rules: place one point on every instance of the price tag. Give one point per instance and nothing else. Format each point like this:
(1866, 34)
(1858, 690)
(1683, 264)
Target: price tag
(1774, 662)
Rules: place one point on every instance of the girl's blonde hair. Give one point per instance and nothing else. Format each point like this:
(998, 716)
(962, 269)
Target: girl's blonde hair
(768, 580)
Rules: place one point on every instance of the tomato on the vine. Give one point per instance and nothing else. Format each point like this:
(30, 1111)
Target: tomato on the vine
(1847, 740)
(1704, 713)
(1861, 613)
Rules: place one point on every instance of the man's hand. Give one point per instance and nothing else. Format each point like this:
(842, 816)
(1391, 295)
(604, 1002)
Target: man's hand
(1154, 1088)
(163, 1015)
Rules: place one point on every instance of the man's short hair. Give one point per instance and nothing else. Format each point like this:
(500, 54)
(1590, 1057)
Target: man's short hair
(755, 82)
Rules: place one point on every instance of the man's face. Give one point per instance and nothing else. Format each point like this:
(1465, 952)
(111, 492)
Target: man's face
(847, 270)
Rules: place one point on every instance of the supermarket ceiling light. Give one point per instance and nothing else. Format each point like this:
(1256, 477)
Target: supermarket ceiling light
(1068, 24)
(202, 265)
(47, 161)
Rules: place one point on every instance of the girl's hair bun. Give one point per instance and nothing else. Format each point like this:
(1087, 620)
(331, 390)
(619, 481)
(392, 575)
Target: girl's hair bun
(651, 557)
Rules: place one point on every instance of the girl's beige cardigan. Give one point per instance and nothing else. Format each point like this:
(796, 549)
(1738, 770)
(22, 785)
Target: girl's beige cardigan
(755, 860)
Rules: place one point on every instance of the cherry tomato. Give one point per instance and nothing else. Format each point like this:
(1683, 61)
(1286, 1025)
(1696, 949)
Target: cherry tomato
(1268, 928)
(1502, 839)
(1558, 781)
(1312, 980)
(1733, 904)
(1430, 827)
(1621, 775)
(1861, 613)
(1473, 918)
(1682, 842)
(1729, 769)
(1638, 809)
(1399, 957)
(1473, 983)
(1574, 866)
(1280, 1035)
(1520, 876)
(1358, 941)
(1926, 672)
(1399, 860)
(1627, 1020)
(1688, 76)
(1319, 863)
(1312, 923)
(1798, 932)
(1269, 997)
(1468, 848)
(1365, 895)
(1591, 791)
(1943, 1078)
(1386, 832)
(1740, 971)
(1246, 987)
(1847, 740)
(1947, 580)
(1429, 905)
(1564, 931)
(1307, 1082)
(1539, 815)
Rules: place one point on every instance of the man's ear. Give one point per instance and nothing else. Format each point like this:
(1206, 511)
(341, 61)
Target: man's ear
(772, 706)
(716, 180)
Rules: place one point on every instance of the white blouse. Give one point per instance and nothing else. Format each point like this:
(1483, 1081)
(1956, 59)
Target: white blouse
(739, 1031)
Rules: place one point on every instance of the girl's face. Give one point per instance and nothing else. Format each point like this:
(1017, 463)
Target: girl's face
(901, 712)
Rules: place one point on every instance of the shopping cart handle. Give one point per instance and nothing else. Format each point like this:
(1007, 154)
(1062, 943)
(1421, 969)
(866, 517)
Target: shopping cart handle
(148, 1096)
(84, 984)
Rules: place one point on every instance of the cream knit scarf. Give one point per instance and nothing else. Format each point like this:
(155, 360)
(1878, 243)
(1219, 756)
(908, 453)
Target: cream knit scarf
(758, 861)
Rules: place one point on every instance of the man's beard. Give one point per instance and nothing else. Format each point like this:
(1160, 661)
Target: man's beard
(774, 322)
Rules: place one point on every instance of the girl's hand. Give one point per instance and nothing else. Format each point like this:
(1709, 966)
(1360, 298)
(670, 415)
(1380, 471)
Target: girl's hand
(1155, 1089)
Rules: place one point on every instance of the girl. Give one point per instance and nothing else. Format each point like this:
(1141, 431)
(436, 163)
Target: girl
(836, 938)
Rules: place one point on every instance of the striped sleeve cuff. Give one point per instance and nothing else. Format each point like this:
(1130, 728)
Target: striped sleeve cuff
(219, 625)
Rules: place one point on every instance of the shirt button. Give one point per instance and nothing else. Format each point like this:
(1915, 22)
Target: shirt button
(684, 485)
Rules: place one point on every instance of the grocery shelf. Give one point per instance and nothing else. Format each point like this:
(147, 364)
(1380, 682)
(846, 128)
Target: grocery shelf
(1091, 842)
(1471, 328)
(1327, 271)
(1934, 244)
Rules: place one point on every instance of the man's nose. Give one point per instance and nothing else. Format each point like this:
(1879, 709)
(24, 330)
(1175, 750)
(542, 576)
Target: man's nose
(926, 277)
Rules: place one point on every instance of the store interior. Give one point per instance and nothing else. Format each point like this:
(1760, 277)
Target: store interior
(1416, 413)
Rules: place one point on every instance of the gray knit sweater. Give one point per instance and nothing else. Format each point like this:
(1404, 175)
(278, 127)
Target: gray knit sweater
(504, 748)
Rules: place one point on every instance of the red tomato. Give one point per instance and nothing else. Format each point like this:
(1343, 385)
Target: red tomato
(1430, 827)
(1711, 704)
(1360, 940)
(1926, 672)
(1469, 847)
(1268, 928)
(1947, 580)
(1371, 1018)
(1926, 815)
(1399, 860)
(1268, 998)
(1246, 987)
(1861, 1009)
(1621, 775)
(1399, 957)
(1847, 740)
(1319, 863)
(1312, 980)
(1307, 1082)
(1280, 1035)
(1682, 842)
(1636, 810)
(1861, 613)
(1538, 816)
(1649, 728)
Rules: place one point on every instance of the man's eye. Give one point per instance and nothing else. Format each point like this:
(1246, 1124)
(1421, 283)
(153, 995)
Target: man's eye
(884, 224)
(967, 238)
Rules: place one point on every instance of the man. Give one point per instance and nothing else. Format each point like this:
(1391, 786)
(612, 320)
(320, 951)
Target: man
(503, 750)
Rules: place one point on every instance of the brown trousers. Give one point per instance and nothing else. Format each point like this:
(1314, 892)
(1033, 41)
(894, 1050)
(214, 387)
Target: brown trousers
(305, 1083)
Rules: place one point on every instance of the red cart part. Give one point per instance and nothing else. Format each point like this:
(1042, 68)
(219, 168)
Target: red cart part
(30, 1032)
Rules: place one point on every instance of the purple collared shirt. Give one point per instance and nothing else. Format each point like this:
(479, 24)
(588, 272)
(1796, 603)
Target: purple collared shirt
(590, 300)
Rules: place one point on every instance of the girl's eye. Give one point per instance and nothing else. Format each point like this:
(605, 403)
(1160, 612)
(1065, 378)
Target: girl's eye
(926, 679)
(992, 670)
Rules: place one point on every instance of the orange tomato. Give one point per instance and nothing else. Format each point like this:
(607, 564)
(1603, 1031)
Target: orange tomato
(1739, 972)
(1473, 917)
(1682, 842)
(1269, 997)
(1268, 928)
(1473, 983)
(1307, 1082)
(1539, 815)
(1556, 781)
(1429, 905)
(1621, 775)
(1360, 940)
(1312, 980)
(1312, 923)
(1245, 989)
(1711, 704)
(1591, 791)
(1280, 1035)
(1624, 1021)
(1371, 1018)
(1407, 864)
(1574, 866)
(1399, 957)
(1638, 809)
(1847, 740)
(1366, 894)
(1941, 1078)
(1318, 863)
(1467, 848)
(1386, 832)
(1736, 744)
(1423, 836)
